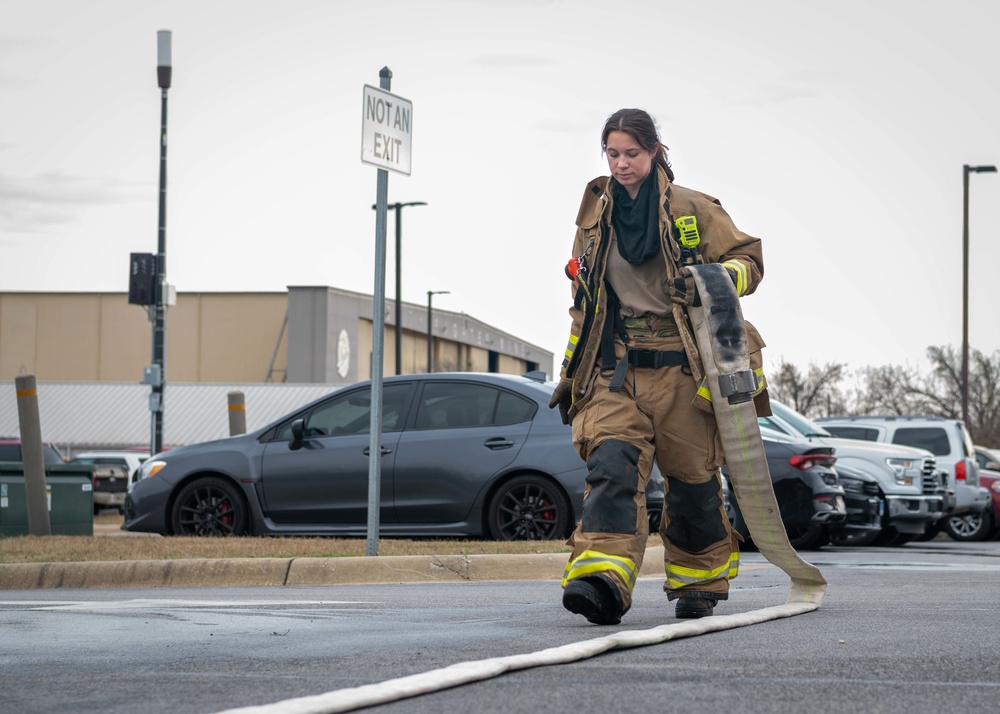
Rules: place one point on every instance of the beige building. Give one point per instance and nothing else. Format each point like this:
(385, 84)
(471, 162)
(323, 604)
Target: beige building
(316, 335)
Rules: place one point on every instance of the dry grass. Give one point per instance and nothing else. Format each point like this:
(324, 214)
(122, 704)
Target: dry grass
(56, 549)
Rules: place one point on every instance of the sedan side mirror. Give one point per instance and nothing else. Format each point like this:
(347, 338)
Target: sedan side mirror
(298, 428)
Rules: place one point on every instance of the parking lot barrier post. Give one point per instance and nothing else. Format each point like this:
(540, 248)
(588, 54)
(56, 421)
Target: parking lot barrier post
(237, 414)
(35, 493)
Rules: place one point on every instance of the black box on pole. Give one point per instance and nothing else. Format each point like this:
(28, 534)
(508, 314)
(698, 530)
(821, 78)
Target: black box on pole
(142, 279)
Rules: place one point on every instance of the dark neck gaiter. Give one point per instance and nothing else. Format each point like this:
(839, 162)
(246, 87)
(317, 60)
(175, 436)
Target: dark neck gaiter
(637, 221)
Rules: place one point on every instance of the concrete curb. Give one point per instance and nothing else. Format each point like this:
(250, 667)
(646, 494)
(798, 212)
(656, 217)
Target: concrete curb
(296, 571)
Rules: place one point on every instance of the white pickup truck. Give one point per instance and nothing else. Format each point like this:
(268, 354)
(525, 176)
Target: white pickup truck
(911, 487)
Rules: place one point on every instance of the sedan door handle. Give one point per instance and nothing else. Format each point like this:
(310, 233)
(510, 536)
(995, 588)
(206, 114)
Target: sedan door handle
(382, 450)
(498, 443)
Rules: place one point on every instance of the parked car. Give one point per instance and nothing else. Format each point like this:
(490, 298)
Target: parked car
(114, 472)
(910, 487)
(806, 487)
(10, 450)
(463, 454)
(865, 505)
(948, 440)
(989, 478)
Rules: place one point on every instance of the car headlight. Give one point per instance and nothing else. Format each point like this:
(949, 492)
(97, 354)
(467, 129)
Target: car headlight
(899, 470)
(150, 468)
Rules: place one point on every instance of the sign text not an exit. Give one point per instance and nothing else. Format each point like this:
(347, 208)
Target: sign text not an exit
(386, 130)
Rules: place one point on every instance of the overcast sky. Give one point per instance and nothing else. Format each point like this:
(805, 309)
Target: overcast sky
(834, 131)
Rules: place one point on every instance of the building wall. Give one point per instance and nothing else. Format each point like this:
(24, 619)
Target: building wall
(232, 337)
(99, 337)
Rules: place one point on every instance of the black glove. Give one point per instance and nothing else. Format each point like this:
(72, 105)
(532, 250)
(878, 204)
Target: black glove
(562, 397)
(683, 290)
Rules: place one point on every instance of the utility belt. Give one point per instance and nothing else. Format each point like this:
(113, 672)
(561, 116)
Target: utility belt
(637, 357)
(651, 326)
(644, 358)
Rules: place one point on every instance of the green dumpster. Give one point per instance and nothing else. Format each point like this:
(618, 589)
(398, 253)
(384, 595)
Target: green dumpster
(70, 490)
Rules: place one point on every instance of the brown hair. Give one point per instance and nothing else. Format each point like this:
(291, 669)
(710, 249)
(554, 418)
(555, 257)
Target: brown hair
(640, 126)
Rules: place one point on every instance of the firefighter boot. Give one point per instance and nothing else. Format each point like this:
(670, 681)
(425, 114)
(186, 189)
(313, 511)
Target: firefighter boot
(596, 597)
(692, 607)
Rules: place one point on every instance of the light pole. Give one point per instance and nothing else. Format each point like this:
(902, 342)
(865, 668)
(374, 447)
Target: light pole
(966, 170)
(430, 322)
(157, 376)
(398, 208)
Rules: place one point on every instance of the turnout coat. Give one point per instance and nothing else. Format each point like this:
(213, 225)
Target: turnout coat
(721, 242)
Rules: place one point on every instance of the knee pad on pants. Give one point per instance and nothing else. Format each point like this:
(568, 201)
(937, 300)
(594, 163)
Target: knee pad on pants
(613, 477)
(694, 511)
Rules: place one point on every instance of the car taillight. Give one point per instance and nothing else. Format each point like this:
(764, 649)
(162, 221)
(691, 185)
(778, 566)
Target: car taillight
(808, 461)
(960, 471)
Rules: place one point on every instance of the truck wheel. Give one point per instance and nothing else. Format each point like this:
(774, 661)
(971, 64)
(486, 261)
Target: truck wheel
(855, 540)
(969, 526)
(932, 531)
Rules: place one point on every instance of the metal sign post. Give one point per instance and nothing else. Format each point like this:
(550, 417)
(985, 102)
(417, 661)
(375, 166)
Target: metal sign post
(385, 143)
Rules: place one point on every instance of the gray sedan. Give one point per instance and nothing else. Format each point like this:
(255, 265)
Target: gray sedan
(463, 454)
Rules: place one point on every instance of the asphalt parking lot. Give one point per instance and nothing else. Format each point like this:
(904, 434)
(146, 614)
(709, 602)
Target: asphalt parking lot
(901, 630)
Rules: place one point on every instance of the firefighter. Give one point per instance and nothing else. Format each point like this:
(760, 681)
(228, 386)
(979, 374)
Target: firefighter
(631, 383)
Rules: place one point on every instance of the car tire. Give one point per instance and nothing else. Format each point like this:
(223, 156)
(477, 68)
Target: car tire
(931, 532)
(209, 507)
(528, 508)
(855, 540)
(969, 527)
(811, 537)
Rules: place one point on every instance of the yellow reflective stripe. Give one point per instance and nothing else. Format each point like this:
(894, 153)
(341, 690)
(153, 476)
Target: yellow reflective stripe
(678, 576)
(571, 347)
(592, 561)
(734, 566)
(741, 275)
(703, 391)
(759, 375)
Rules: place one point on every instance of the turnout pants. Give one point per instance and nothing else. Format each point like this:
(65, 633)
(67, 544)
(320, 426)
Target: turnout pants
(619, 434)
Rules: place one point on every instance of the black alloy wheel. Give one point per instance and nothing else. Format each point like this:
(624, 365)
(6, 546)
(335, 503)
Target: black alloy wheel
(209, 507)
(528, 508)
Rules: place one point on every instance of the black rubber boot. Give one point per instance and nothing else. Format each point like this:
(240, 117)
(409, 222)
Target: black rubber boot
(694, 607)
(596, 597)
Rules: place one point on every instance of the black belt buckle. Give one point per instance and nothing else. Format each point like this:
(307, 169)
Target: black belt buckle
(642, 358)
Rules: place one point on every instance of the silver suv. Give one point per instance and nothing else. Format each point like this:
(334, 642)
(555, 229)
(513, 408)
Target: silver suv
(911, 488)
(947, 439)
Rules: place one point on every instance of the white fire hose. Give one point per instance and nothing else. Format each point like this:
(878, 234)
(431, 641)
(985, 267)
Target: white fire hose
(722, 343)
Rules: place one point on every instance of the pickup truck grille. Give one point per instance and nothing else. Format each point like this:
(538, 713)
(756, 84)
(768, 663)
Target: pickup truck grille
(930, 477)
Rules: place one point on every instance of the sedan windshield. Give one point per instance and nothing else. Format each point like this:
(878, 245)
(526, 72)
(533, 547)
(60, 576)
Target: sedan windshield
(801, 424)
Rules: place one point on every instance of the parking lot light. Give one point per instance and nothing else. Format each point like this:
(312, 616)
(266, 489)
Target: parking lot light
(966, 170)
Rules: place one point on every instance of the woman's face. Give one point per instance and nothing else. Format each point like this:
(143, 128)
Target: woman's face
(630, 164)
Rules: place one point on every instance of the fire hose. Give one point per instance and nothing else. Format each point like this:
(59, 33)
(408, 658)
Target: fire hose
(722, 344)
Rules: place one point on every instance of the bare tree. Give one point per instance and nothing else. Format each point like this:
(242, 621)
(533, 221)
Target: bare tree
(943, 389)
(812, 394)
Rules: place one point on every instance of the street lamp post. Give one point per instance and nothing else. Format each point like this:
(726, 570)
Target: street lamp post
(430, 322)
(398, 208)
(966, 170)
(157, 377)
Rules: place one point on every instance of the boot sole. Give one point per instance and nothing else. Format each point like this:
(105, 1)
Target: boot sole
(580, 604)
